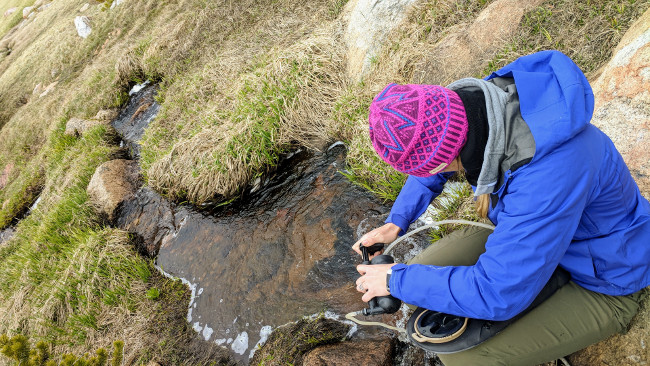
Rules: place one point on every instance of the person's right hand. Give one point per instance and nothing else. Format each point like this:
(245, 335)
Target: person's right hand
(383, 234)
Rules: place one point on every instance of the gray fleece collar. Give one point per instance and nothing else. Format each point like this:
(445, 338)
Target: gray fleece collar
(495, 101)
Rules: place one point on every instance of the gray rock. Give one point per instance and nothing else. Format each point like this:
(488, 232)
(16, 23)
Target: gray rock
(113, 182)
(369, 22)
(27, 11)
(82, 23)
(10, 11)
(78, 126)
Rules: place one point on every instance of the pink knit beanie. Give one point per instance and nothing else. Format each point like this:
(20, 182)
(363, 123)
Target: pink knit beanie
(418, 129)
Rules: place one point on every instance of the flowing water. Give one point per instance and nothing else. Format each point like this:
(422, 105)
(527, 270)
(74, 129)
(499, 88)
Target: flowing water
(279, 253)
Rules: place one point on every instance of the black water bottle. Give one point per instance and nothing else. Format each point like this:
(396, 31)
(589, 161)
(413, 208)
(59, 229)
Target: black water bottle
(380, 304)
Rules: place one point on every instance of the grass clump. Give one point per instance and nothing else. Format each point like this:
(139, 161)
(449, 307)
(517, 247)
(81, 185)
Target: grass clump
(288, 344)
(279, 102)
(586, 31)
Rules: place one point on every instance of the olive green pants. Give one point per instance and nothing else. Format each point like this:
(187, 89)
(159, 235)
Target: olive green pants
(571, 319)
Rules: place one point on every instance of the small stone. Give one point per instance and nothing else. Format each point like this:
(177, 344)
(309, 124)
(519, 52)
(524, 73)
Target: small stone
(113, 182)
(38, 89)
(106, 115)
(84, 8)
(27, 11)
(48, 89)
(78, 126)
(82, 23)
(10, 11)
(634, 358)
(116, 3)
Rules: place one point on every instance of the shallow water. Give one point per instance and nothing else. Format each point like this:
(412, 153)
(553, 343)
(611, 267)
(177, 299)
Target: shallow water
(277, 254)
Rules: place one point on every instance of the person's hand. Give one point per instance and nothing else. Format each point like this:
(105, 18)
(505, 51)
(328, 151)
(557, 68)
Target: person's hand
(383, 234)
(372, 282)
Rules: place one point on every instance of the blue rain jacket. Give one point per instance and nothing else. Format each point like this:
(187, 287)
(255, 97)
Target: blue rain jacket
(574, 205)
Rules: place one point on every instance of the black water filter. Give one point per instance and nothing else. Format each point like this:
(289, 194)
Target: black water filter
(380, 304)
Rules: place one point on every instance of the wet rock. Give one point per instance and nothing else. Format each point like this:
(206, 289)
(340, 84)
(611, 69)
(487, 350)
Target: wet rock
(10, 11)
(369, 22)
(4, 175)
(82, 23)
(369, 352)
(27, 11)
(622, 93)
(113, 182)
(151, 217)
(465, 51)
(78, 126)
(84, 7)
(288, 344)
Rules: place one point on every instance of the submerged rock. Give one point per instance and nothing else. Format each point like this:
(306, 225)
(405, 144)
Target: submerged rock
(113, 183)
(280, 253)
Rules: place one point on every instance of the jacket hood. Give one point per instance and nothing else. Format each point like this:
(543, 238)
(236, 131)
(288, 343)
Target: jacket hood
(556, 100)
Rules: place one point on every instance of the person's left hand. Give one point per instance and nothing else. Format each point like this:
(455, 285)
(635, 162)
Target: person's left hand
(372, 282)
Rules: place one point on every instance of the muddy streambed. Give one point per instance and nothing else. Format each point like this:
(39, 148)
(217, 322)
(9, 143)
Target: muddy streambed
(280, 253)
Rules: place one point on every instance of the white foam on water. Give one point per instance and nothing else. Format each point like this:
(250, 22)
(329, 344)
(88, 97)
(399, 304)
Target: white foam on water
(240, 344)
(136, 88)
(337, 143)
(38, 200)
(189, 284)
(197, 327)
(207, 332)
(265, 332)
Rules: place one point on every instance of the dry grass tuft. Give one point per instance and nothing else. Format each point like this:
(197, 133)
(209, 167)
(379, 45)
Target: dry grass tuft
(280, 100)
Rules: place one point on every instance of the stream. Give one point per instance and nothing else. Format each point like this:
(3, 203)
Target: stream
(281, 252)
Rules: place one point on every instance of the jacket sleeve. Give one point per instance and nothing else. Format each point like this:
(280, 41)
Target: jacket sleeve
(543, 204)
(415, 197)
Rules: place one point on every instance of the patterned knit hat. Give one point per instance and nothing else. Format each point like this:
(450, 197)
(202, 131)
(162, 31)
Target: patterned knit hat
(418, 129)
